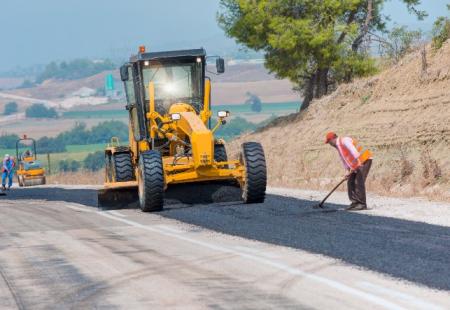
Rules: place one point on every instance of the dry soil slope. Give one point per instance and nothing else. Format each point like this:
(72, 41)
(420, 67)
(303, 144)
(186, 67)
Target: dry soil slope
(399, 109)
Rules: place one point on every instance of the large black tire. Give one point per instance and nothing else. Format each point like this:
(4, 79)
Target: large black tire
(220, 153)
(254, 187)
(151, 181)
(122, 167)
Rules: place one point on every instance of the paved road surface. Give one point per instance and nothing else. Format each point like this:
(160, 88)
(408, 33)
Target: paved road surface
(57, 250)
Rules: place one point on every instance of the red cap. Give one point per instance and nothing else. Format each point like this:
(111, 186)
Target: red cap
(330, 136)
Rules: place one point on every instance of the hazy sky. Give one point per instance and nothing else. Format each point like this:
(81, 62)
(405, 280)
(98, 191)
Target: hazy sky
(39, 31)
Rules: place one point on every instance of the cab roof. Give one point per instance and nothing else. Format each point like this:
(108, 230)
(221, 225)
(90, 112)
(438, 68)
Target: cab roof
(168, 54)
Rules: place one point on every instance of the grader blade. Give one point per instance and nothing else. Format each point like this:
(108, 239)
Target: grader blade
(118, 196)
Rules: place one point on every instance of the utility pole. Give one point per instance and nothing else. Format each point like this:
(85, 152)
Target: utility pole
(49, 166)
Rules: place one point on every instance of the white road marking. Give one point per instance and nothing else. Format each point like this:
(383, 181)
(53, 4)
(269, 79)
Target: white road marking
(116, 213)
(399, 295)
(79, 209)
(278, 265)
(247, 249)
(171, 229)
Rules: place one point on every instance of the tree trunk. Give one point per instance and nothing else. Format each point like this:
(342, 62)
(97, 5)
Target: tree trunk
(321, 83)
(316, 86)
(309, 92)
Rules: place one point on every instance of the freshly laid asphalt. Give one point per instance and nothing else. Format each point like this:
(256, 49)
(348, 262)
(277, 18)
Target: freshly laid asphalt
(412, 251)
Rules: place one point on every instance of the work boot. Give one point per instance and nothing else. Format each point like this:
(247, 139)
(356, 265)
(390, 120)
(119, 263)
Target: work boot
(351, 206)
(358, 207)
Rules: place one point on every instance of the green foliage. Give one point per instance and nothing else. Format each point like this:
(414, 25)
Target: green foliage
(100, 133)
(401, 41)
(8, 141)
(441, 31)
(94, 161)
(10, 108)
(26, 84)
(312, 43)
(50, 145)
(254, 102)
(76, 69)
(39, 110)
(365, 99)
(79, 135)
(69, 165)
(235, 127)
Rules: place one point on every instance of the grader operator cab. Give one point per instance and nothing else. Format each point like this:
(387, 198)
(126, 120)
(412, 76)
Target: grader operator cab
(172, 136)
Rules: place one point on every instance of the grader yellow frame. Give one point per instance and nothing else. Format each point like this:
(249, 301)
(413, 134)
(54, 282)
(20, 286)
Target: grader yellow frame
(175, 144)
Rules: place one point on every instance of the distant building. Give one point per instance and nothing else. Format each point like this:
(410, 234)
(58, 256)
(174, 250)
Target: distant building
(84, 92)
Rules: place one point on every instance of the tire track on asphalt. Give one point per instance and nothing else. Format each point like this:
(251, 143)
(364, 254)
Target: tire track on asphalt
(12, 290)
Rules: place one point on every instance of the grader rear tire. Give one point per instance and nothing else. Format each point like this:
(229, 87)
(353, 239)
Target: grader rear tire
(220, 153)
(151, 182)
(254, 187)
(122, 167)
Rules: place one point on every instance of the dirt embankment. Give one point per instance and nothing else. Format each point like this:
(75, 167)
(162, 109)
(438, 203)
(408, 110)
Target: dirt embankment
(401, 114)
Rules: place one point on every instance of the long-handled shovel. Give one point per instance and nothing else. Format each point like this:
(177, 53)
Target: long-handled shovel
(320, 205)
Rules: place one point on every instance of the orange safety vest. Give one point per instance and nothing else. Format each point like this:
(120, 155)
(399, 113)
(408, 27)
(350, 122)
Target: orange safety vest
(347, 156)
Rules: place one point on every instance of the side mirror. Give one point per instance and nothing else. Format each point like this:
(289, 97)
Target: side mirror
(124, 73)
(220, 65)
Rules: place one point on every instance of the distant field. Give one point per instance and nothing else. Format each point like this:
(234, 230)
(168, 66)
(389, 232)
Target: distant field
(275, 108)
(74, 152)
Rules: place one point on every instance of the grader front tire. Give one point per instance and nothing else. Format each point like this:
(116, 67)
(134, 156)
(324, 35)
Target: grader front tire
(151, 182)
(220, 153)
(254, 187)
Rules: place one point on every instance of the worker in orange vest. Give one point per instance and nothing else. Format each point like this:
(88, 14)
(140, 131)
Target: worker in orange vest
(357, 162)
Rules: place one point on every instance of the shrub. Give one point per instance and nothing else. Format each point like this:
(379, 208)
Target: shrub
(10, 108)
(400, 41)
(94, 161)
(406, 166)
(39, 110)
(441, 32)
(235, 127)
(50, 145)
(8, 141)
(76, 69)
(254, 101)
(69, 165)
(431, 169)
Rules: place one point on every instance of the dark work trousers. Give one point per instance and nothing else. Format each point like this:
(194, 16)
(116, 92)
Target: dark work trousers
(356, 184)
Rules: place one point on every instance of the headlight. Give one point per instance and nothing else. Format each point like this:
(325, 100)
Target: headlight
(223, 114)
(175, 116)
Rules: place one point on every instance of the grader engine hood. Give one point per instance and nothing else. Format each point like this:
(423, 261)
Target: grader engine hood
(202, 140)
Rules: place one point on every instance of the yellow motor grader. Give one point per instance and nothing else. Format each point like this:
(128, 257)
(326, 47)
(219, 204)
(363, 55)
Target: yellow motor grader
(171, 135)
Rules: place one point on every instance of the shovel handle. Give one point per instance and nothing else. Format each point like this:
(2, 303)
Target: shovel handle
(332, 191)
